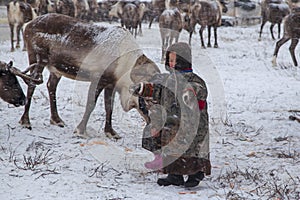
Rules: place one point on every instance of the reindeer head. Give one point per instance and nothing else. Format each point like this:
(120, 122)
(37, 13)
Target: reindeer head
(10, 89)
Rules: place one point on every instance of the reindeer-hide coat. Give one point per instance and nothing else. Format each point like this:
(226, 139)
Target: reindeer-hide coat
(184, 135)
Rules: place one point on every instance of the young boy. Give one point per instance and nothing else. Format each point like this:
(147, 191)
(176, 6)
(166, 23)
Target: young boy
(178, 134)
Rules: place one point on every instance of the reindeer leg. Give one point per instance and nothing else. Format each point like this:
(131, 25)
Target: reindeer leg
(94, 90)
(278, 45)
(177, 37)
(278, 30)
(140, 29)
(24, 43)
(52, 85)
(208, 36)
(162, 36)
(271, 30)
(292, 50)
(216, 37)
(165, 46)
(201, 36)
(11, 26)
(171, 39)
(190, 38)
(151, 20)
(163, 50)
(19, 27)
(261, 28)
(24, 121)
(36, 72)
(109, 101)
(191, 29)
(167, 40)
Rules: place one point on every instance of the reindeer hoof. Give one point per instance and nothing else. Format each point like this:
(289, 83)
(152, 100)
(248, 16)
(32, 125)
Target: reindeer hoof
(274, 63)
(111, 133)
(59, 123)
(25, 124)
(28, 126)
(80, 133)
(112, 136)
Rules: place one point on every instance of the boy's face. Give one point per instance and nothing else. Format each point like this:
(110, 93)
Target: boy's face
(172, 59)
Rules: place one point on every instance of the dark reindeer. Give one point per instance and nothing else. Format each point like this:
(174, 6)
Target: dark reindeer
(65, 7)
(108, 57)
(207, 14)
(130, 18)
(130, 14)
(81, 9)
(170, 26)
(46, 6)
(18, 13)
(273, 11)
(10, 89)
(157, 7)
(93, 11)
(291, 31)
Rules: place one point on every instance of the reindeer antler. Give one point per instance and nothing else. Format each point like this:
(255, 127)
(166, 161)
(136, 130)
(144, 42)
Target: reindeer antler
(29, 80)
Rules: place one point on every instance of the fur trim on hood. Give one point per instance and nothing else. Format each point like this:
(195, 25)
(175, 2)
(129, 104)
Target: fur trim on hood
(183, 57)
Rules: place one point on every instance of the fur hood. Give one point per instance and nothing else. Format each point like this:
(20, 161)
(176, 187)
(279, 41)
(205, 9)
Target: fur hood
(184, 57)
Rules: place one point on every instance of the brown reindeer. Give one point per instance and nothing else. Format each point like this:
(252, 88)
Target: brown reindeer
(10, 89)
(35, 4)
(130, 18)
(273, 11)
(291, 31)
(93, 11)
(157, 7)
(46, 6)
(170, 26)
(65, 7)
(18, 13)
(207, 14)
(130, 14)
(108, 57)
(116, 10)
(81, 9)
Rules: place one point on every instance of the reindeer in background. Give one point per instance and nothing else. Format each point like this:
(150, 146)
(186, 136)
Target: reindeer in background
(170, 26)
(18, 13)
(291, 32)
(273, 11)
(207, 14)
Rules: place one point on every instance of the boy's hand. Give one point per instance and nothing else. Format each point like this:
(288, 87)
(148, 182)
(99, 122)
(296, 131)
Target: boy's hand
(154, 132)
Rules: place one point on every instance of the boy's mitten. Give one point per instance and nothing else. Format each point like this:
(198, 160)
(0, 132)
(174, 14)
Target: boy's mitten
(142, 89)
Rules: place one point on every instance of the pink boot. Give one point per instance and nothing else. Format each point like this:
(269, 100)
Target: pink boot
(156, 164)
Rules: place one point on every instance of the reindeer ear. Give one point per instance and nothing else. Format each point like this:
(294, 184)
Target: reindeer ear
(9, 65)
(4, 67)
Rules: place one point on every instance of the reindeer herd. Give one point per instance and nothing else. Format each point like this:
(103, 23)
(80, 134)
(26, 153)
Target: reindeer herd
(59, 36)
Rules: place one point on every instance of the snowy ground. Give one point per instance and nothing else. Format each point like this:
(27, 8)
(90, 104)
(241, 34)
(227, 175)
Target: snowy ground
(255, 149)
